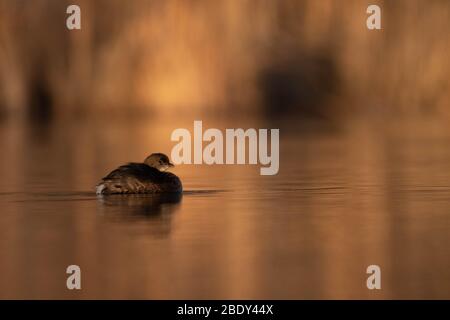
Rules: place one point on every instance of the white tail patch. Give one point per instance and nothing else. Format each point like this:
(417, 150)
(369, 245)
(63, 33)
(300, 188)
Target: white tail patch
(99, 189)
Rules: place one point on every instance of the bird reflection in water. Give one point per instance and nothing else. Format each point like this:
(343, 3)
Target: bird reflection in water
(153, 211)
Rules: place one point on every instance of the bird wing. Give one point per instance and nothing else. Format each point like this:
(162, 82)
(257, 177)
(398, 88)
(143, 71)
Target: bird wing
(139, 171)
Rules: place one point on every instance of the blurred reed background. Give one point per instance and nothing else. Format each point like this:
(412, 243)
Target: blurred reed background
(348, 193)
(197, 57)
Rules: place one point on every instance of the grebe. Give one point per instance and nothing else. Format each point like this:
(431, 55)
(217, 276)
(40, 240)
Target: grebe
(147, 177)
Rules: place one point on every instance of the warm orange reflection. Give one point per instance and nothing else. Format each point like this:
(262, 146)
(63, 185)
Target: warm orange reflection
(359, 194)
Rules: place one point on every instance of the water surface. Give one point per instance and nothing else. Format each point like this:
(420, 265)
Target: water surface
(346, 197)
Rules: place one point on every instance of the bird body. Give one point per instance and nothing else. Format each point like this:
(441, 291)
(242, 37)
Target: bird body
(147, 177)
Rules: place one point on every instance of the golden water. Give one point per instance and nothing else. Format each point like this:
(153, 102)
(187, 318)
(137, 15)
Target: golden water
(346, 196)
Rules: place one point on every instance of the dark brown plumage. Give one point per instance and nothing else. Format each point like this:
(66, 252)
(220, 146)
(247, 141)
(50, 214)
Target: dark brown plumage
(147, 177)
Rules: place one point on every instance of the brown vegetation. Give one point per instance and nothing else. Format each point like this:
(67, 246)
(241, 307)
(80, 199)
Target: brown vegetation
(173, 57)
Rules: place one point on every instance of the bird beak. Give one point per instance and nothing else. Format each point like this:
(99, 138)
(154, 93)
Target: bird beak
(171, 164)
